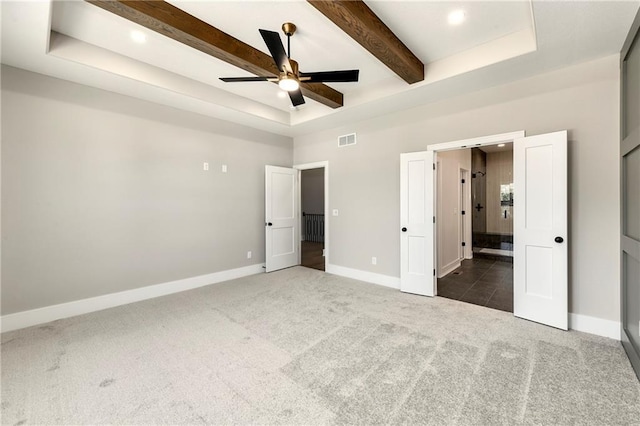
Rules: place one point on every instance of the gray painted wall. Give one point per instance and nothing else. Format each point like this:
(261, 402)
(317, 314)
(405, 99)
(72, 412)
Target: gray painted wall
(583, 99)
(104, 193)
(447, 207)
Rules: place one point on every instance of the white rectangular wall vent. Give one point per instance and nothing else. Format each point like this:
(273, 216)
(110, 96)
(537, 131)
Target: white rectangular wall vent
(346, 140)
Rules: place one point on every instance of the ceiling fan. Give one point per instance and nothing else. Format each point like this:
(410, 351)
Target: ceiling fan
(290, 77)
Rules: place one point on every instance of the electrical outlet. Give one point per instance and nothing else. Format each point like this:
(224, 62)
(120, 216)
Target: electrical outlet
(224, 168)
(249, 255)
(374, 260)
(335, 212)
(205, 166)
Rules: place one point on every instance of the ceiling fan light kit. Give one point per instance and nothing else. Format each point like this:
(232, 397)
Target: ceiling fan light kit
(290, 77)
(289, 84)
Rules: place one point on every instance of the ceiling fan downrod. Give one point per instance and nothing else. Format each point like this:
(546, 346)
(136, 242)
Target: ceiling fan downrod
(289, 29)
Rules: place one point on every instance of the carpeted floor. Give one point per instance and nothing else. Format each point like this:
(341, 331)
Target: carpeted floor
(299, 346)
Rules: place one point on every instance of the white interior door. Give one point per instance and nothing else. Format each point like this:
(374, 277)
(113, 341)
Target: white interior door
(540, 229)
(416, 223)
(281, 226)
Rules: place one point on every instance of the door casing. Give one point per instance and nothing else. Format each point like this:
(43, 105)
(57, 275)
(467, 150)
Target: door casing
(463, 144)
(464, 224)
(308, 166)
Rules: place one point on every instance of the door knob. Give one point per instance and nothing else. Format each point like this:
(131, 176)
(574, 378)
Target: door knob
(404, 229)
(269, 223)
(558, 239)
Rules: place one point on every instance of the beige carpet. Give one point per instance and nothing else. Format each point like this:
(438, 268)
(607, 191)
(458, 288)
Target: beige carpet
(303, 347)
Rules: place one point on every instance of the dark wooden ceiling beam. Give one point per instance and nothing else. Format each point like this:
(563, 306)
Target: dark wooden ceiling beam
(356, 19)
(168, 20)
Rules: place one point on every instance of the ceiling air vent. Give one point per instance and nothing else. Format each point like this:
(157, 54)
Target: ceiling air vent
(346, 140)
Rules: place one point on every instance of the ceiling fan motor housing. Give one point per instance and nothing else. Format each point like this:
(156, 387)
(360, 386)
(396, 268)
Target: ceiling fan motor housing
(294, 67)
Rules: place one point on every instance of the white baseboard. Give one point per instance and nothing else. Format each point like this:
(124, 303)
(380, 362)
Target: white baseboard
(584, 323)
(78, 307)
(449, 268)
(593, 325)
(371, 277)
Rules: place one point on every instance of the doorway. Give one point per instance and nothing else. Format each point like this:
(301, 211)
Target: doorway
(540, 252)
(492, 198)
(483, 275)
(283, 215)
(312, 219)
(313, 214)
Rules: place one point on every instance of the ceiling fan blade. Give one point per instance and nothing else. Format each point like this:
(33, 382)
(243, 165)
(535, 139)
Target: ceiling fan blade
(330, 76)
(296, 97)
(236, 79)
(274, 44)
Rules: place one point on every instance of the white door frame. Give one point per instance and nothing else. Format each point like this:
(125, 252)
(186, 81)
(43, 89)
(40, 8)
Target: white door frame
(309, 166)
(464, 224)
(470, 143)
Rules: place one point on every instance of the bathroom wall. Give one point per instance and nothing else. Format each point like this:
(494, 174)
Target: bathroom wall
(499, 172)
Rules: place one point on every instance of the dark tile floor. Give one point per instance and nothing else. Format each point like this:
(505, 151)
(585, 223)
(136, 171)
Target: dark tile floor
(481, 282)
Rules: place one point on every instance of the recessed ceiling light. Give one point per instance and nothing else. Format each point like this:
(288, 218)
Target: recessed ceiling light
(500, 145)
(138, 36)
(457, 17)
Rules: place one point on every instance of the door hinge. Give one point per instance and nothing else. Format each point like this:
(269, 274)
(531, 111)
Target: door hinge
(463, 212)
(434, 272)
(434, 219)
(464, 244)
(462, 180)
(434, 166)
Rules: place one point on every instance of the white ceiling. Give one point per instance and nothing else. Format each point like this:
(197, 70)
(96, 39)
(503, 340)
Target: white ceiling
(497, 148)
(499, 42)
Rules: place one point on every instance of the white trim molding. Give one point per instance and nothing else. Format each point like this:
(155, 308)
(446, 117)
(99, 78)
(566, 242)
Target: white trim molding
(84, 306)
(480, 141)
(446, 269)
(593, 325)
(577, 322)
(370, 277)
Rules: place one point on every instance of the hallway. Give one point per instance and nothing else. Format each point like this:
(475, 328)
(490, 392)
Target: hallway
(312, 255)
